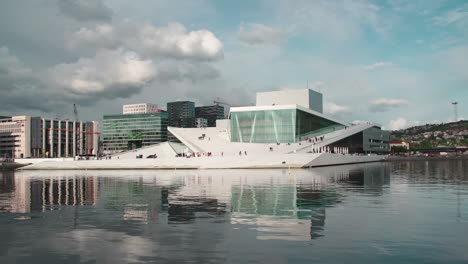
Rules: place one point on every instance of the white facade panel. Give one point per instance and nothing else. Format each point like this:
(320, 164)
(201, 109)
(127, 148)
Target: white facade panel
(139, 108)
(26, 136)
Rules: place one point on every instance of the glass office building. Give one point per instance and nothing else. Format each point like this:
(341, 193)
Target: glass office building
(211, 113)
(181, 114)
(278, 125)
(126, 132)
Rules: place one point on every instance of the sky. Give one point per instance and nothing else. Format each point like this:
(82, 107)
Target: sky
(396, 63)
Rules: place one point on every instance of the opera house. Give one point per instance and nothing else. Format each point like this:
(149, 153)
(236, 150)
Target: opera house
(285, 129)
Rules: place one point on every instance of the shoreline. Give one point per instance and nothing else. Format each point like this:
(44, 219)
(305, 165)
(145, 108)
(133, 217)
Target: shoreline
(289, 161)
(428, 158)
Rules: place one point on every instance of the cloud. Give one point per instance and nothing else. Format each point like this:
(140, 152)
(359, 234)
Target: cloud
(110, 74)
(455, 16)
(452, 62)
(398, 124)
(83, 10)
(384, 105)
(379, 64)
(332, 108)
(10, 66)
(336, 20)
(316, 85)
(258, 34)
(172, 41)
(21, 88)
(13, 74)
(180, 71)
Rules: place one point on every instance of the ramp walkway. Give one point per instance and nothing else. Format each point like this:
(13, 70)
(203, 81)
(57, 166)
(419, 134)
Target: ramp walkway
(216, 140)
(162, 150)
(335, 136)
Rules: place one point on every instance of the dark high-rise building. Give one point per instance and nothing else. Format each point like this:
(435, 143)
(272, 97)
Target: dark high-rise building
(181, 114)
(210, 113)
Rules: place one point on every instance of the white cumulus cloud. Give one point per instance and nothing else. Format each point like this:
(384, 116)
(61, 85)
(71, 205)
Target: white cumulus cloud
(111, 73)
(384, 105)
(332, 108)
(173, 41)
(398, 124)
(257, 34)
(379, 65)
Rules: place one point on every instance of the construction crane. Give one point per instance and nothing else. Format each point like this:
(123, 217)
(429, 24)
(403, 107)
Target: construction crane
(218, 102)
(75, 112)
(84, 135)
(455, 104)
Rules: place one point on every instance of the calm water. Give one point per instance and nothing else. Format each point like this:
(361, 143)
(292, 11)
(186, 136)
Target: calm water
(408, 212)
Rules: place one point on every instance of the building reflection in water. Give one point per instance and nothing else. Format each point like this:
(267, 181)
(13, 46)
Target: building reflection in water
(277, 204)
(22, 194)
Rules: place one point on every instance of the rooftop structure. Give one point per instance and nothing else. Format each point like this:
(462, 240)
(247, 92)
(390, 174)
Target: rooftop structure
(306, 98)
(139, 108)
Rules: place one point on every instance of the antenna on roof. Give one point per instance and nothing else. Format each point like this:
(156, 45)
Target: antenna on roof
(455, 110)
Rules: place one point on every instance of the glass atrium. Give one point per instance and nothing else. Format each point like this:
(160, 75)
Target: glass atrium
(278, 126)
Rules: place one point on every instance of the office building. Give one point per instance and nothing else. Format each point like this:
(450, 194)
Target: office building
(68, 138)
(210, 113)
(144, 108)
(181, 114)
(130, 131)
(26, 136)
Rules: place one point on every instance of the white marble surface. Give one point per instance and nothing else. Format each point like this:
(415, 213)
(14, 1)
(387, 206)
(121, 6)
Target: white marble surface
(297, 160)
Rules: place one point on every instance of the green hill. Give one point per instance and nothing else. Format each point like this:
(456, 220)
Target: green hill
(434, 135)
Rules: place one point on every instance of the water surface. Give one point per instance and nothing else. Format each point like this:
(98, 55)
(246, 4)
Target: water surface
(401, 212)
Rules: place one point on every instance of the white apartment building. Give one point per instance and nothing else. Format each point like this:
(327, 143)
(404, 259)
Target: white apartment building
(26, 136)
(143, 108)
(201, 122)
(20, 136)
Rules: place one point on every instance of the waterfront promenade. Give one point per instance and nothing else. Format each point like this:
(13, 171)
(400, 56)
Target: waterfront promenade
(297, 160)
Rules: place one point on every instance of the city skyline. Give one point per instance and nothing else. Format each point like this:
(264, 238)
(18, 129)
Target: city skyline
(391, 62)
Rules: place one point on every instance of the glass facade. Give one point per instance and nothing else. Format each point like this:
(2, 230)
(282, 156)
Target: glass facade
(210, 113)
(272, 126)
(125, 132)
(371, 140)
(181, 114)
(376, 140)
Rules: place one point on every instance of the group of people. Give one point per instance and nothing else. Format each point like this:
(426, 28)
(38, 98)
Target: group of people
(196, 154)
(313, 140)
(336, 150)
(207, 154)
